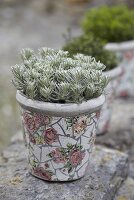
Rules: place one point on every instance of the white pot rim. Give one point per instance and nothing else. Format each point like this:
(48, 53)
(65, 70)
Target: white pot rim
(114, 73)
(61, 110)
(121, 46)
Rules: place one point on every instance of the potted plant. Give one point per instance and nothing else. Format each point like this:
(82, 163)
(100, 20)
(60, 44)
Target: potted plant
(89, 45)
(59, 97)
(115, 26)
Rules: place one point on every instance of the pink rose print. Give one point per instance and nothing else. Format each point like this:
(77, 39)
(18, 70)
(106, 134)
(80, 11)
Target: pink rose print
(79, 126)
(50, 135)
(129, 55)
(124, 93)
(71, 156)
(46, 165)
(98, 114)
(57, 156)
(31, 122)
(76, 157)
(38, 118)
(41, 172)
(106, 126)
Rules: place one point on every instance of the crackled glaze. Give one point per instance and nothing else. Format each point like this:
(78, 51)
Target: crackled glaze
(106, 111)
(126, 51)
(126, 86)
(58, 148)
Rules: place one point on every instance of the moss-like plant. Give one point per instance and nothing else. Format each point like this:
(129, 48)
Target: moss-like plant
(113, 24)
(52, 76)
(88, 45)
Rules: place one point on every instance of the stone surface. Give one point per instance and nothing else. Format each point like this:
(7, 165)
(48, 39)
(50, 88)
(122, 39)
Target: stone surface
(121, 132)
(126, 192)
(105, 174)
(121, 137)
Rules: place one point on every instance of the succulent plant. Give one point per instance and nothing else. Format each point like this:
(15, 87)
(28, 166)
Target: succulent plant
(89, 45)
(52, 76)
(112, 24)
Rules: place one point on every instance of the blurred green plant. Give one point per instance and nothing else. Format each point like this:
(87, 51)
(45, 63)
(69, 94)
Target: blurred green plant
(52, 76)
(89, 45)
(112, 24)
(77, 1)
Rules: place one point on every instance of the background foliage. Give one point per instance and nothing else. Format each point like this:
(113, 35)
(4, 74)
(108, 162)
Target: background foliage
(89, 45)
(113, 24)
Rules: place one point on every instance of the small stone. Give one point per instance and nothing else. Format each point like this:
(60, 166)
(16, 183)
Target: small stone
(16, 180)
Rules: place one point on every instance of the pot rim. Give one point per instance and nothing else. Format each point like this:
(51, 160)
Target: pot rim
(62, 110)
(121, 46)
(114, 73)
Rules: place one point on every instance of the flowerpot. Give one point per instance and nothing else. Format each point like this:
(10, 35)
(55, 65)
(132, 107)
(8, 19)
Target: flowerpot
(126, 50)
(59, 137)
(106, 111)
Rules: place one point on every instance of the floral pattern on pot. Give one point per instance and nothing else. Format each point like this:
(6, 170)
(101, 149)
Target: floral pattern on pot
(71, 156)
(125, 88)
(32, 122)
(50, 135)
(42, 173)
(106, 112)
(128, 55)
(59, 148)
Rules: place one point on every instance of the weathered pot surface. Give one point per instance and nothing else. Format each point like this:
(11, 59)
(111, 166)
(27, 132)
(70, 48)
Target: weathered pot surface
(59, 137)
(121, 46)
(126, 51)
(106, 111)
(114, 73)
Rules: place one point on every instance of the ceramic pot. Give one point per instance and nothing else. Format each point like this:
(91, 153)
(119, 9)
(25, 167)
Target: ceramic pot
(59, 137)
(126, 51)
(106, 111)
